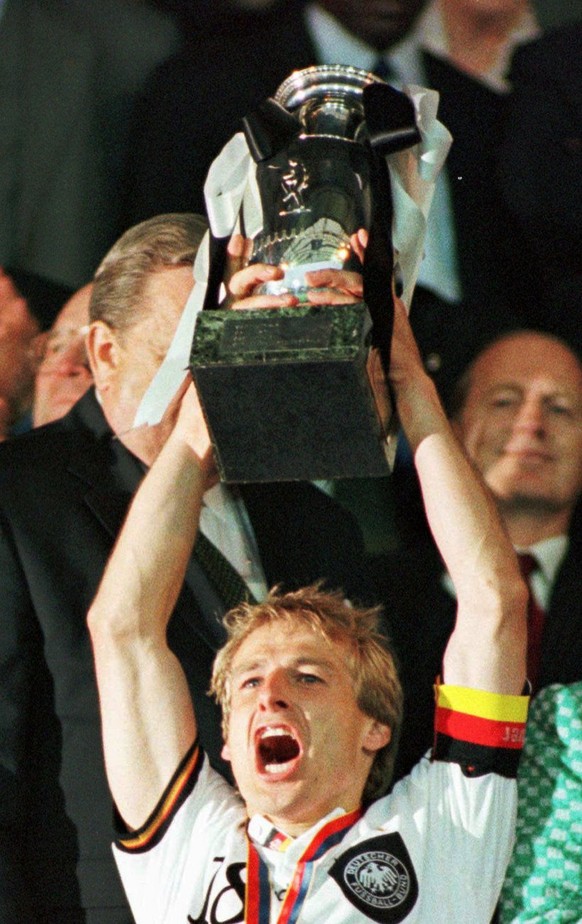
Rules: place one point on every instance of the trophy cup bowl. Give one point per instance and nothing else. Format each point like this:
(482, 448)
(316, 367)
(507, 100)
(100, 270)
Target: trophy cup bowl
(316, 192)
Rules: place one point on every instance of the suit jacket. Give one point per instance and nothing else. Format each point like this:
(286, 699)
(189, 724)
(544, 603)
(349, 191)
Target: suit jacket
(450, 335)
(474, 114)
(540, 166)
(68, 71)
(422, 616)
(64, 491)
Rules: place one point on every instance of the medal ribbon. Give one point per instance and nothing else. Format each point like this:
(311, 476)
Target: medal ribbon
(258, 888)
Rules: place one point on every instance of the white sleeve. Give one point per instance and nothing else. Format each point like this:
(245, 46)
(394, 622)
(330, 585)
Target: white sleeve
(170, 858)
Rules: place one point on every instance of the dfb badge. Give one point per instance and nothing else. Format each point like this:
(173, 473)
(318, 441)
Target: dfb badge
(378, 878)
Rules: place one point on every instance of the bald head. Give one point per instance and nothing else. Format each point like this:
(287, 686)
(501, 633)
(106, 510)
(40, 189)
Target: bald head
(521, 422)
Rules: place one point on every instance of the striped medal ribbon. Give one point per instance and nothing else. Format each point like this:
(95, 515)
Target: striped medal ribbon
(258, 887)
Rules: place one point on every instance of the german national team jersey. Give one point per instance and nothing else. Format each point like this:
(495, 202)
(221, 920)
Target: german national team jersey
(434, 851)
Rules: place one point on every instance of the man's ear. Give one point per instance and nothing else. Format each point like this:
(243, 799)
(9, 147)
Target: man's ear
(225, 753)
(103, 353)
(377, 736)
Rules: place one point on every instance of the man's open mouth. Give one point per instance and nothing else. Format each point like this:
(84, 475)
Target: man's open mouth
(277, 748)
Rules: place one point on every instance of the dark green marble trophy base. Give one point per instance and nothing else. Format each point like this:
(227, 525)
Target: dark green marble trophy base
(286, 394)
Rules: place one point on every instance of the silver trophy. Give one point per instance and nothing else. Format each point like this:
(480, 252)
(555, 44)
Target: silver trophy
(316, 192)
(286, 391)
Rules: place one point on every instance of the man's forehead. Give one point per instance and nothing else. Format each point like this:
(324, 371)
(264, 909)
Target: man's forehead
(528, 357)
(292, 640)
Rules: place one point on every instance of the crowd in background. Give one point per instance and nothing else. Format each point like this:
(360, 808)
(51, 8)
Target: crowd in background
(111, 113)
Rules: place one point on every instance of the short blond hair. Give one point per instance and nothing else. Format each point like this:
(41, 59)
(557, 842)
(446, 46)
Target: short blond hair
(160, 243)
(371, 661)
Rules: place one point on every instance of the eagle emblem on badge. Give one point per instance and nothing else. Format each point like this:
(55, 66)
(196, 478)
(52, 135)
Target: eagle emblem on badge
(378, 878)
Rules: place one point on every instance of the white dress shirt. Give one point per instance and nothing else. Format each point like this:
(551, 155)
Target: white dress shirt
(549, 554)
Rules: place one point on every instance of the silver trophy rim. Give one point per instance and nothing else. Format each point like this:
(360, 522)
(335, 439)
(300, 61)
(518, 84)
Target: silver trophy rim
(333, 80)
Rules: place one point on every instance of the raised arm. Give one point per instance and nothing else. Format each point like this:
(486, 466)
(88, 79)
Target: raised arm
(147, 715)
(487, 647)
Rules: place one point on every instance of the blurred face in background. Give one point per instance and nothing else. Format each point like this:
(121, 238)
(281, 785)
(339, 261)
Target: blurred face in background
(18, 328)
(379, 23)
(63, 374)
(522, 424)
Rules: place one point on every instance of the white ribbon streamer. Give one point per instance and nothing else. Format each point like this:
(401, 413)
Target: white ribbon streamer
(413, 174)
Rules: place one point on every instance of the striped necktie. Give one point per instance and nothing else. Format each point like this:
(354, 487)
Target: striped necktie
(528, 564)
(226, 580)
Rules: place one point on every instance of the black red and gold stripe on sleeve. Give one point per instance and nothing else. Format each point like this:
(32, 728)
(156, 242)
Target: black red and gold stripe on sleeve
(482, 732)
(175, 794)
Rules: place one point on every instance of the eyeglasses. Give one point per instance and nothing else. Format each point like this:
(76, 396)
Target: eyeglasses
(48, 349)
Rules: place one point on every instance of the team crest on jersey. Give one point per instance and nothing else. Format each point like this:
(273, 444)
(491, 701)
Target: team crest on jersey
(378, 878)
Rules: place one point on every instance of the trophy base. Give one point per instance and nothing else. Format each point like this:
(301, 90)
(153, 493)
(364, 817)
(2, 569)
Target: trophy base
(286, 395)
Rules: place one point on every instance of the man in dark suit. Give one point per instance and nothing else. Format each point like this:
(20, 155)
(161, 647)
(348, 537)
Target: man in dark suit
(518, 411)
(540, 165)
(64, 491)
